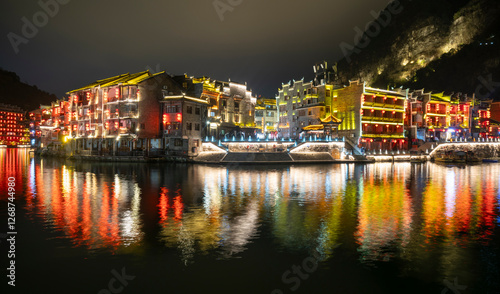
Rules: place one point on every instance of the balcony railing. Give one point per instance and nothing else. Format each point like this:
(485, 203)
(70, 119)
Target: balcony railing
(383, 119)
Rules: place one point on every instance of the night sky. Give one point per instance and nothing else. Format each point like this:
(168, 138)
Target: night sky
(261, 42)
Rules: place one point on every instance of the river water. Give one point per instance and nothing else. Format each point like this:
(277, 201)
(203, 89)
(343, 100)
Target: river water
(178, 228)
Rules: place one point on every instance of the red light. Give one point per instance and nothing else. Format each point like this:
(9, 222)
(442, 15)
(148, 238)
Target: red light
(179, 117)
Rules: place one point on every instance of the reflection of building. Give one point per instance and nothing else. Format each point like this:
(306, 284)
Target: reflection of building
(183, 123)
(266, 115)
(13, 128)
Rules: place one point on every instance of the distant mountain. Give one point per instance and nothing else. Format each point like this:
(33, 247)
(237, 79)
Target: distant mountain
(15, 92)
(439, 45)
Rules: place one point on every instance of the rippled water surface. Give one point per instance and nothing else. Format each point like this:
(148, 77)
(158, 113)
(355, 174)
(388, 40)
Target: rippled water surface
(378, 228)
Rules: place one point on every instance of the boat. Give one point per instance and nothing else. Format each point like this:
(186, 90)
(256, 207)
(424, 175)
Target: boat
(450, 156)
(490, 160)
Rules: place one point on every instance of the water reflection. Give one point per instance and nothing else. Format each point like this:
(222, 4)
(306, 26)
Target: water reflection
(382, 211)
(385, 215)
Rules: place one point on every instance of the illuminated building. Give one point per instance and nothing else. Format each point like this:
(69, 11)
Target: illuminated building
(303, 104)
(231, 105)
(371, 118)
(183, 123)
(436, 116)
(13, 128)
(53, 125)
(266, 116)
(123, 110)
(495, 119)
(35, 119)
(481, 123)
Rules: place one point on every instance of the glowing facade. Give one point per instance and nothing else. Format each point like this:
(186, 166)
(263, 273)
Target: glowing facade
(123, 110)
(372, 118)
(184, 121)
(231, 105)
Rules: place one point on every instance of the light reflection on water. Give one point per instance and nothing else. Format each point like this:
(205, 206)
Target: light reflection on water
(384, 212)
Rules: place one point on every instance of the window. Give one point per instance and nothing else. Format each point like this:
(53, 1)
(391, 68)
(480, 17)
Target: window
(236, 118)
(197, 111)
(189, 109)
(236, 105)
(196, 127)
(189, 126)
(178, 142)
(143, 126)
